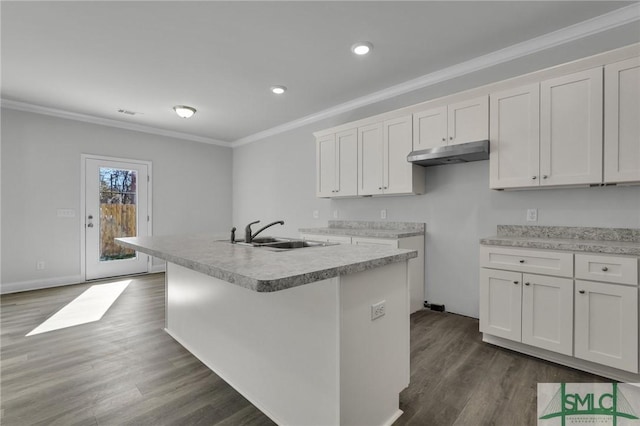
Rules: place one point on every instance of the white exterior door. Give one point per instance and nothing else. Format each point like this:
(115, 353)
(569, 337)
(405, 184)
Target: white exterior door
(500, 303)
(571, 129)
(547, 313)
(622, 121)
(116, 205)
(515, 138)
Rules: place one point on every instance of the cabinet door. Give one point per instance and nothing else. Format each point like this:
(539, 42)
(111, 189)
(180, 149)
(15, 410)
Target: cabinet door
(430, 128)
(398, 176)
(571, 129)
(370, 159)
(326, 166)
(468, 121)
(500, 303)
(547, 313)
(622, 121)
(347, 163)
(515, 138)
(606, 324)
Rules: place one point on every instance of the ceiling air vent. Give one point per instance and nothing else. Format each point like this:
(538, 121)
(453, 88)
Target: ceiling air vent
(128, 112)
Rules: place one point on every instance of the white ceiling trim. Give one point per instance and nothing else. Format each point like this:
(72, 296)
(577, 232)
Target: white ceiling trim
(580, 30)
(23, 106)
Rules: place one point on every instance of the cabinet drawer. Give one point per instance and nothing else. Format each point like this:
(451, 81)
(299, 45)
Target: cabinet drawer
(534, 261)
(361, 241)
(342, 239)
(614, 269)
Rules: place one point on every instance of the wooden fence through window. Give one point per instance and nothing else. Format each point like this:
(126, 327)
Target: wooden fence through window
(116, 220)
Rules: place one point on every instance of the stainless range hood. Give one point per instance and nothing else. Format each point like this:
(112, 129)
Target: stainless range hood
(451, 154)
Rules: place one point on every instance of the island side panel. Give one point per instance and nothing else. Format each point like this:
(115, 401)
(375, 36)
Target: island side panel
(280, 350)
(374, 354)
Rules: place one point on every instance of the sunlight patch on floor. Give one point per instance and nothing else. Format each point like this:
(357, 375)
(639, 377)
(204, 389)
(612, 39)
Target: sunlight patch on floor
(90, 306)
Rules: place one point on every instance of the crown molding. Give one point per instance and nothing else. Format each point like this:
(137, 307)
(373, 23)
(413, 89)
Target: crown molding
(23, 106)
(568, 34)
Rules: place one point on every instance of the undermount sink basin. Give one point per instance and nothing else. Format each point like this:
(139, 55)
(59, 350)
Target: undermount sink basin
(276, 243)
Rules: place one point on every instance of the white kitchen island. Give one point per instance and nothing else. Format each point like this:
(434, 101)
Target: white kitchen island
(292, 330)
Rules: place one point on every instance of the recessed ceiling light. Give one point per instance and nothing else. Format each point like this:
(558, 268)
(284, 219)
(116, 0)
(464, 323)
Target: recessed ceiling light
(184, 111)
(278, 90)
(362, 48)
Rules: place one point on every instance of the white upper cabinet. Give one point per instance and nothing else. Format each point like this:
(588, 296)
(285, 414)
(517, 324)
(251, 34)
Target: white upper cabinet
(466, 121)
(383, 167)
(548, 134)
(370, 159)
(337, 164)
(398, 172)
(326, 166)
(347, 163)
(622, 121)
(571, 129)
(430, 128)
(515, 137)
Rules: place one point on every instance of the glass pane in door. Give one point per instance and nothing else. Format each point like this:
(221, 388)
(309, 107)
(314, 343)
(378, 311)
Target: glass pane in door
(118, 213)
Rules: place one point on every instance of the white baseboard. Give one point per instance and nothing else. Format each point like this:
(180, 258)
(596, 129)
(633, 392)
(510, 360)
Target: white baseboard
(6, 288)
(569, 361)
(158, 268)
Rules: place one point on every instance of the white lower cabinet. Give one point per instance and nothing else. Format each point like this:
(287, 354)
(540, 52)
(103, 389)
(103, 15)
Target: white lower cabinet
(607, 324)
(590, 314)
(416, 265)
(532, 309)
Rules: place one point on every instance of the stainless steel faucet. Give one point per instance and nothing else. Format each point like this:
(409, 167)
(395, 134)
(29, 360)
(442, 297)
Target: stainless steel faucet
(248, 237)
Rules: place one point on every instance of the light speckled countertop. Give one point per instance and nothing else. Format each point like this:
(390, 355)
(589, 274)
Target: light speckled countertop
(360, 228)
(621, 241)
(260, 269)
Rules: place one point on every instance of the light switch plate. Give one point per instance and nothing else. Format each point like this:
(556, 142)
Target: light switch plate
(316, 214)
(532, 215)
(383, 214)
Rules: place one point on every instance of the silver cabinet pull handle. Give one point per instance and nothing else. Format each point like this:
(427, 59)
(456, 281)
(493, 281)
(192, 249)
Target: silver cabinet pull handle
(581, 291)
(521, 260)
(605, 269)
(444, 139)
(527, 283)
(89, 225)
(515, 282)
(544, 176)
(534, 177)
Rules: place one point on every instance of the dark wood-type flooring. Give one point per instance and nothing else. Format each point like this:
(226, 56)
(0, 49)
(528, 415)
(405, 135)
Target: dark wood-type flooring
(125, 370)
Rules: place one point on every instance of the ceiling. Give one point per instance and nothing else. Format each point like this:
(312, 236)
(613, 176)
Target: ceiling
(94, 58)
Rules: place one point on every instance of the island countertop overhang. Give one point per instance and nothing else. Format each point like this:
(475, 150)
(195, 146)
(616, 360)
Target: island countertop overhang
(263, 270)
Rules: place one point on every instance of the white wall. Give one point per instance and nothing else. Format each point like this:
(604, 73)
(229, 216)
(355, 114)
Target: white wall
(275, 179)
(41, 173)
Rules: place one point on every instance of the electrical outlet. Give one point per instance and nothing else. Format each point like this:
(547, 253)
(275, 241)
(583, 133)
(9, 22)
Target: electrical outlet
(316, 214)
(532, 215)
(40, 265)
(378, 310)
(383, 214)
(335, 214)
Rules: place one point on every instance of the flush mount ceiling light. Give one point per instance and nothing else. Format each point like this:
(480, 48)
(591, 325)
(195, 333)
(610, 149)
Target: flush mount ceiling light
(184, 111)
(278, 90)
(362, 48)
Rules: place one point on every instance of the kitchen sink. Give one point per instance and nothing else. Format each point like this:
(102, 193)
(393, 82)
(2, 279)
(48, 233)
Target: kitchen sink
(278, 244)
